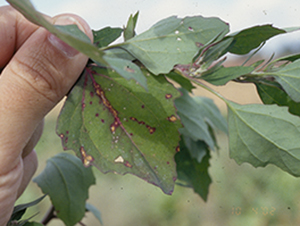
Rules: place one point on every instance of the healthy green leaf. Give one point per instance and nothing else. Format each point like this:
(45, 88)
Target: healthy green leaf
(64, 173)
(223, 74)
(197, 149)
(70, 34)
(89, 207)
(127, 70)
(106, 35)
(273, 94)
(289, 78)
(33, 224)
(117, 126)
(251, 38)
(129, 31)
(173, 41)
(262, 135)
(192, 172)
(182, 81)
(196, 114)
(20, 210)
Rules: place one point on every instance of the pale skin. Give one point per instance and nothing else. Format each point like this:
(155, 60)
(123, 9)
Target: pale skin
(37, 71)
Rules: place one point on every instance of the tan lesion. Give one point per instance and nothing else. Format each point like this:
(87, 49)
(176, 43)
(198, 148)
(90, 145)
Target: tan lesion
(86, 159)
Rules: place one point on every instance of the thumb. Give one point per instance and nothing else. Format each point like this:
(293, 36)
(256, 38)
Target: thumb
(38, 76)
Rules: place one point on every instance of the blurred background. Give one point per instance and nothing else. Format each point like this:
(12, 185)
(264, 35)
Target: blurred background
(239, 195)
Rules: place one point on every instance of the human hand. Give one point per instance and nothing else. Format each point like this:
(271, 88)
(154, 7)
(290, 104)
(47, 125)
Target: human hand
(38, 70)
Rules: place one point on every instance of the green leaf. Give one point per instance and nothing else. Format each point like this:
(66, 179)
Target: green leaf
(89, 207)
(106, 35)
(223, 74)
(251, 38)
(127, 70)
(289, 78)
(196, 114)
(119, 127)
(33, 224)
(264, 134)
(216, 50)
(66, 181)
(197, 149)
(173, 41)
(20, 210)
(70, 34)
(273, 94)
(192, 172)
(182, 81)
(129, 31)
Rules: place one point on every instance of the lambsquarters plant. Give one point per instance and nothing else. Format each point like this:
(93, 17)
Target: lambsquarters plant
(125, 116)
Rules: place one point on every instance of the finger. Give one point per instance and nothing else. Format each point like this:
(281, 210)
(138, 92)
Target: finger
(37, 77)
(30, 164)
(33, 140)
(15, 30)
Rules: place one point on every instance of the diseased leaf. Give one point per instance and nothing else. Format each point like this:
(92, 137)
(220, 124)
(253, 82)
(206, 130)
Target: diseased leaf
(129, 31)
(193, 173)
(272, 94)
(173, 41)
(196, 114)
(119, 127)
(106, 35)
(223, 74)
(262, 135)
(62, 174)
(289, 78)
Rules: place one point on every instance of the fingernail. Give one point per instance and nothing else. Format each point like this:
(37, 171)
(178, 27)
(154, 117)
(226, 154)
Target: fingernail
(59, 44)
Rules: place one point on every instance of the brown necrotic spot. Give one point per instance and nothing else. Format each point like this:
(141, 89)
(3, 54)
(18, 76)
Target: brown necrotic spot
(178, 149)
(172, 118)
(127, 164)
(168, 96)
(86, 159)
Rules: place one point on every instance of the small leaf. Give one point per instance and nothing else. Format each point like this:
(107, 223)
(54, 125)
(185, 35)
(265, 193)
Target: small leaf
(20, 210)
(106, 35)
(66, 181)
(223, 75)
(113, 124)
(33, 224)
(89, 207)
(197, 149)
(272, 94)
(289, 78)
(196, 114)
(182, 81)
(129, 31)
(173, 41)
(264, 134)
(127, 70)
(192, 172)
(251, 38)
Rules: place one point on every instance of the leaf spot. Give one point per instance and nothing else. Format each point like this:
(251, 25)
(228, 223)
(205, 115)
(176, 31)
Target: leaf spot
(119, 159)
(176, 32)
(127, 68)
(168, 96)
(172, 118)
(127, 164)
(198, 44)
(191, 29)
(178, 149)
(97, 114)
(86, 159)
(143, 106)
(178, 39)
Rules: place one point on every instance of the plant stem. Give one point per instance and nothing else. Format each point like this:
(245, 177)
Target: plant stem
(49, 216)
